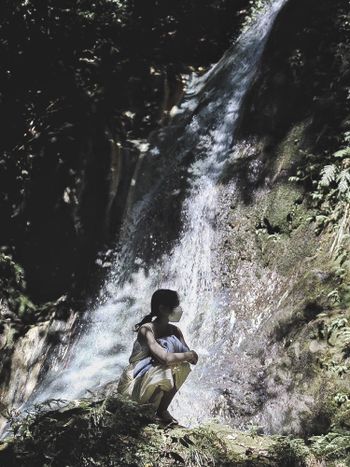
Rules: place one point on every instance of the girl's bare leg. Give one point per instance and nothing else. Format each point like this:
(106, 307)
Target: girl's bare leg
(155, 394)
(169, 395)
(166, 399)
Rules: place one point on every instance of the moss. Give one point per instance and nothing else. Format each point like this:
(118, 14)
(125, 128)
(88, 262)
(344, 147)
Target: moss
(331, 447)
(284, 237)
(281, 208)
(12, 274)
(288, 149)
(291, 452)
(13, 286)
(115, 431)
(25, 305)
(11, 335)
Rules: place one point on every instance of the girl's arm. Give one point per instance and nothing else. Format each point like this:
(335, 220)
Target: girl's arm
(158, 352)
(179, 334)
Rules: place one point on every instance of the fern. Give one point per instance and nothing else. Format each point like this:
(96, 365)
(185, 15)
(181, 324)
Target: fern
(328, 174)
(347, 137)
(343, 180)
(342, 153)
(331, 446)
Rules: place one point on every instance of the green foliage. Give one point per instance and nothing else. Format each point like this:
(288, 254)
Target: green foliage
(336, 331)
(61, 433)
(291, 451)
(341, 398)
(332, 446)
(115, 431)
(12, 288)
(324, 165)
(76, 78)
(330, 197)
(330, 177)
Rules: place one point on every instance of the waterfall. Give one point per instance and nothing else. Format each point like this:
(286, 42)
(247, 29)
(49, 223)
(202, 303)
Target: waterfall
(181, 170)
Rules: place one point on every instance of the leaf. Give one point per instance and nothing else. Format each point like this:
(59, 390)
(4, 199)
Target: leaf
(342, 153)
(343, 180)
(328, 174)
(321, 218)
(177, 457)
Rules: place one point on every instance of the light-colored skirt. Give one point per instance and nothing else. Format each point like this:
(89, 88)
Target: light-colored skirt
(142, 388)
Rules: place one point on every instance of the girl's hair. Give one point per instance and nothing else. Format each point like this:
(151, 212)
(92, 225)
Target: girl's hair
(165, 297)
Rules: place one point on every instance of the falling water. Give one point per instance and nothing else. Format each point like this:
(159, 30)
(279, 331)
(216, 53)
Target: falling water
(196, 156)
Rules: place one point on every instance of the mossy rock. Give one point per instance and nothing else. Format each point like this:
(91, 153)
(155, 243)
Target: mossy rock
(281, 210)
(116, 431)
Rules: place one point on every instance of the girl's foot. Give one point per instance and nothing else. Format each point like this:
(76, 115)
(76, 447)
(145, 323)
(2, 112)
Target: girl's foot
(165, 416)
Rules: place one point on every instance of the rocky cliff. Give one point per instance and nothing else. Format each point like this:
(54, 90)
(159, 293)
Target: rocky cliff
(283, 255)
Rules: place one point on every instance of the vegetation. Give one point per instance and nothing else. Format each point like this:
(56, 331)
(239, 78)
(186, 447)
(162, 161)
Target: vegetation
(74, 77)
(325, 171)
(330, 177)
(303, 80)
(95, 432)
(77, 76)
(12, 289)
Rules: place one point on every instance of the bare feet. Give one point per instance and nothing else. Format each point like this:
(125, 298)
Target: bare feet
(165, 416)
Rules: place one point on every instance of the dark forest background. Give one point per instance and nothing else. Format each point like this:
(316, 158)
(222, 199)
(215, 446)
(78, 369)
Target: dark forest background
(74, 77)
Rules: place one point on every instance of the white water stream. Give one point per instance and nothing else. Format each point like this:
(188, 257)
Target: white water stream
(212, 105)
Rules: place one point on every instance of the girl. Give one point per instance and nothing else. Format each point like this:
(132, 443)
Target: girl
(160, 358)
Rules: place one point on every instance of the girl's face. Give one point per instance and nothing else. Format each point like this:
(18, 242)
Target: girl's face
(176, 313)
(173, 313)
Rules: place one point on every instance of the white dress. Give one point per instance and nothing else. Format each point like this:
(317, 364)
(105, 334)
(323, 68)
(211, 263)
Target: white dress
(141, 389)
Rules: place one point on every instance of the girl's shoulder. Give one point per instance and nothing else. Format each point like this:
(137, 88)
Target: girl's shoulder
(140, 336)
(148, 326)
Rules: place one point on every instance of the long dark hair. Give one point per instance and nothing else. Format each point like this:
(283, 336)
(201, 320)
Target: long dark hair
(165, 297)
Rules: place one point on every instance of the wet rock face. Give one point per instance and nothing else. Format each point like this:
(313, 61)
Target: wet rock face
(280, 274)
(280, 278)
(28, 335)
(260, 270)
(26, 351)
